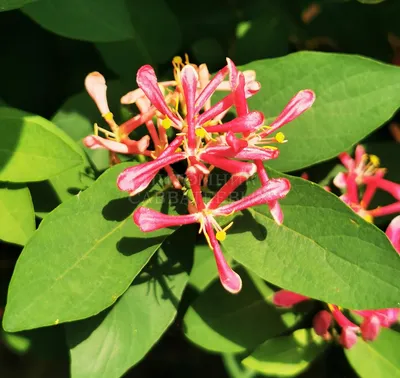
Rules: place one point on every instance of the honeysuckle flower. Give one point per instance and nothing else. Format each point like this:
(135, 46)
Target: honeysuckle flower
(373, 320)
(322, 322)
(364, 171)
(204, 214)
(393, 233)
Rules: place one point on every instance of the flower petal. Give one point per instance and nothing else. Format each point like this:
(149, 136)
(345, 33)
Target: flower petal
(302, 101)
(136, 179)
(393, 233)
(321, 322)
(147, 80)
(230, 280)
(151, 220)
(246, 123)
(286, 298)
(275, 189)
(95, 85)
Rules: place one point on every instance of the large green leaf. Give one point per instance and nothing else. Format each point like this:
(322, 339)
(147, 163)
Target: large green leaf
(6, 5)
(286, 356)
(89, 20)
(32, 148)
(354, 96)
(17, 219)
(322, 250)
(83, 257)
(222, 322)
(378, 359)
(117, 339)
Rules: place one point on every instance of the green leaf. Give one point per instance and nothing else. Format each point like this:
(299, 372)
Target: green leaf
(377, 359)
(135, 323)
(354, 96)
(17, 221)
(6, 5)
(323, 249)
(222, 322)
(83, 257)
(370, 1)
(286, 356)
(91, 20)
(32, 148)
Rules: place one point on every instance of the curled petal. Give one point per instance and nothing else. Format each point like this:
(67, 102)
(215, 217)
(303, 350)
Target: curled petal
(95, 85)
(340, 180)
(147, 81)
(393, 233)
(348, 338)
(136, 179)
(275, 189)
(370, 328)
(235, 143)
(230, 280)
(321, 322)
(129, 147)
(151, 220)
(296, 106)
(246, 123)
(286, 298)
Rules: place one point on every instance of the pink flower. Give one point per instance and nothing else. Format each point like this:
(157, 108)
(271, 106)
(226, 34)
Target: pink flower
(322, 322)
(151, 220)
(372, 322)
(393, 233)
(286, 298)
(364, 171)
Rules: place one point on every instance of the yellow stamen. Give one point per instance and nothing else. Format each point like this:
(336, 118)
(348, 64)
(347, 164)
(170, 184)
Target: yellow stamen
(166, 123)
(280, 137)
(178, 149)
(177, 60)
(369, 218)
(108, 116)
(374, 160)
(200, 132)
(270, 147)
(187, 59)
(220, 235)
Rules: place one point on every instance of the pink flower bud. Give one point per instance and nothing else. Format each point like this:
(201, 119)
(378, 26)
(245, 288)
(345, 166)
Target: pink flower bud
(95, 85)
(321, 322)
(286, 298)
(370, 328)
(348, 337)
(393, 233)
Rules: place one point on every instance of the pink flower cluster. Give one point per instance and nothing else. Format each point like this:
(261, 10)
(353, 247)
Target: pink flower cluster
(238, 147)
(364, 173)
